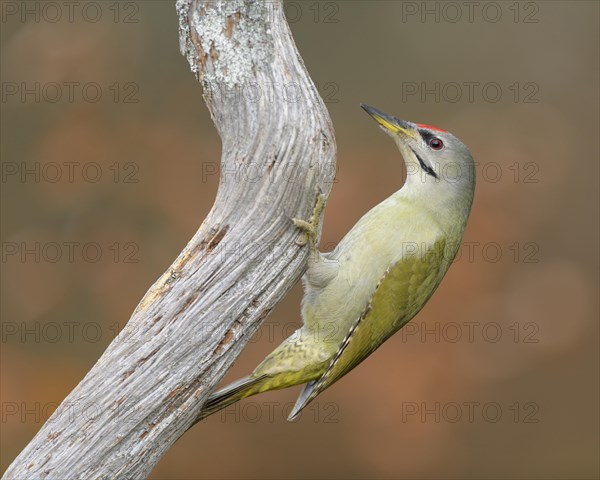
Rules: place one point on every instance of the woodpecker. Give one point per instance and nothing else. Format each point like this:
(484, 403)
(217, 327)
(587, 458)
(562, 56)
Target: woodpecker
(380, 275)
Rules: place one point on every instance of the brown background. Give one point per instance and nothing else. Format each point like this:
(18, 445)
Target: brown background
(515, 396)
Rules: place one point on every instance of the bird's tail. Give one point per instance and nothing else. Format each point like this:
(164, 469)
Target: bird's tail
(230, 394)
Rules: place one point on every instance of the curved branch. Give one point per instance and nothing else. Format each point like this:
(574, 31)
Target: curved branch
(278, 152)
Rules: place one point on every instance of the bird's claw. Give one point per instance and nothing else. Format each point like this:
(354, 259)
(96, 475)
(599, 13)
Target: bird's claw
(310, 228)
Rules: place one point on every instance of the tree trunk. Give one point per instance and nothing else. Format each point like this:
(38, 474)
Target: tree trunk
(278, 152)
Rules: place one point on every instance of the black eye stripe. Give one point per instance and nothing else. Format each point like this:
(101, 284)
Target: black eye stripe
(425, 135)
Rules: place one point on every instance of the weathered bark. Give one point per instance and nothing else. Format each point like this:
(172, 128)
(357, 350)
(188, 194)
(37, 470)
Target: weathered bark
(278, 152)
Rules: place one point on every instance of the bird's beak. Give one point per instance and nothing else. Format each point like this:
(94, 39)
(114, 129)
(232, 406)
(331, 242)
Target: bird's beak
(391, 123)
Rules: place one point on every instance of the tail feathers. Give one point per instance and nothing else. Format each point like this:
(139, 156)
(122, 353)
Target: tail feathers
(230, 394)
(302, 400)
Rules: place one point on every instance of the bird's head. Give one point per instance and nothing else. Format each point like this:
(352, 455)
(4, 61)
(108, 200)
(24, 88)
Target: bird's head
(433, 157)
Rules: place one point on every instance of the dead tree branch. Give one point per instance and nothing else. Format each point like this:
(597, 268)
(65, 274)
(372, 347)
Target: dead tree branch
(278, 152)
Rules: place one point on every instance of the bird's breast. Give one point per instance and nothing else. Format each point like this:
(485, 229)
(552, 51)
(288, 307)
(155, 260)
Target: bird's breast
(381, 241)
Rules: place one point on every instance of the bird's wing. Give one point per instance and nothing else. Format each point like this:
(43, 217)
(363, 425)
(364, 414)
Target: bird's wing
(400, 294)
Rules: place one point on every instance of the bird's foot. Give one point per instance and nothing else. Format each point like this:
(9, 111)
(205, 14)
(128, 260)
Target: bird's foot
(310, 228)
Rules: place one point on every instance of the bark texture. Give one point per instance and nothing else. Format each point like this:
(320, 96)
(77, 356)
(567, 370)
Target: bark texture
(278, 152)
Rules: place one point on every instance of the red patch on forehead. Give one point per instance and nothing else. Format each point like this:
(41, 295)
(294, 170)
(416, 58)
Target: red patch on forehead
(430, 127)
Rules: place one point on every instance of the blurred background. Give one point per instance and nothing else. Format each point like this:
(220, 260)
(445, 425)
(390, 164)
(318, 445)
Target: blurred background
(109, 165)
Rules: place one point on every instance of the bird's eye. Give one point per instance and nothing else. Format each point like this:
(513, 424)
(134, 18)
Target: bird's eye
(435, 143)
